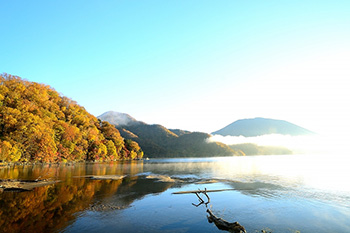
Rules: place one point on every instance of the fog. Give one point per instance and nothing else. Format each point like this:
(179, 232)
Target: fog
(311, 144)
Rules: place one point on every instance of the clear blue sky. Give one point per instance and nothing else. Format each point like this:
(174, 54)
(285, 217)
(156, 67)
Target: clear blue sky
(195, 65)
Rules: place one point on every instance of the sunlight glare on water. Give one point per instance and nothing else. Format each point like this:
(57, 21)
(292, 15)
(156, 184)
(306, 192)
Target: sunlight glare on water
(316, 171)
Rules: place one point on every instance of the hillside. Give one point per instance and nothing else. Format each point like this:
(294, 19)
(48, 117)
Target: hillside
(38, 124)
(158, 141)
(261, 126)
(118, 118)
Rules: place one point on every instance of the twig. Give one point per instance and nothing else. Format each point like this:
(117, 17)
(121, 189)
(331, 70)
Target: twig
(201, 201)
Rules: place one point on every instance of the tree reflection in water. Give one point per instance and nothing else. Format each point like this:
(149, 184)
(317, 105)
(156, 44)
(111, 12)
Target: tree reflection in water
(54, 207)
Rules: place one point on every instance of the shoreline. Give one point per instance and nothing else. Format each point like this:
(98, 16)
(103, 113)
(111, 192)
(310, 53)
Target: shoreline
(68, 163)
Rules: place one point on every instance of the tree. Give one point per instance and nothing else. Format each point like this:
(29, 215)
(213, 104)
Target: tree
(38, 124)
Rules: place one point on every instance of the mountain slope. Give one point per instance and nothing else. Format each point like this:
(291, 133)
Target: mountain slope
(261, 126)
(37, 124)
(118, 118)
(158, 141)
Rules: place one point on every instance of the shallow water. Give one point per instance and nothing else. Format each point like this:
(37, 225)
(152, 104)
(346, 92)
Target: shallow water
(295, 193)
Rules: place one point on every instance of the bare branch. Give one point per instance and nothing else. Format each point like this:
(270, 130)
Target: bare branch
(201, 201)
(205, 193)
(222, 224)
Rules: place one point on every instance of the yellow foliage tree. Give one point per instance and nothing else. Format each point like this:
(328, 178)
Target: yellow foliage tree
(37, 124)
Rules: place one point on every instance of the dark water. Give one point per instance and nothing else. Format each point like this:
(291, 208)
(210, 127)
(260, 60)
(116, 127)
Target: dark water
(279, 194)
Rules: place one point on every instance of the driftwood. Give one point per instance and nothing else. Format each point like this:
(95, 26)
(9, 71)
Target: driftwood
(202, 191)
(220, 223)
(225, 225)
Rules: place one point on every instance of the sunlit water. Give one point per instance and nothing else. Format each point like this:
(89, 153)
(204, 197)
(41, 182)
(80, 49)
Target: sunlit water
(305, 193)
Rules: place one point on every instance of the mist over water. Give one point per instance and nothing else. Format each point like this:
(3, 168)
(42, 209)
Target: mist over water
(306, 144)
(314, 176)
(312, 170)
(308, 192)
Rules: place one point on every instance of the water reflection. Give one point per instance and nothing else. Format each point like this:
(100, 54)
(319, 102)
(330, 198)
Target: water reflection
(274, 191)
(64, 172)
(53, 207)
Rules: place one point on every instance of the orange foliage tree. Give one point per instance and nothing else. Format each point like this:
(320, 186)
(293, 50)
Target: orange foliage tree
(38, 124)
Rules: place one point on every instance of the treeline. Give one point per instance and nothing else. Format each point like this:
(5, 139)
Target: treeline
(38, 124)
(158, 141)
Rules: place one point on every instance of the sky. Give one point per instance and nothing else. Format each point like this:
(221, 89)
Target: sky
(196, 65)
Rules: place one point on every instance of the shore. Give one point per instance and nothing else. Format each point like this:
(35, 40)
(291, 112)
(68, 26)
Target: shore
(68, 163)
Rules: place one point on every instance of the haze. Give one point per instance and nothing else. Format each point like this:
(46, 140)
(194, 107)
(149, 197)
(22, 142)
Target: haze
(193, 65)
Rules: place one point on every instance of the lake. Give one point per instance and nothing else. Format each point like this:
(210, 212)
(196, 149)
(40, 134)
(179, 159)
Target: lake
(295, 193)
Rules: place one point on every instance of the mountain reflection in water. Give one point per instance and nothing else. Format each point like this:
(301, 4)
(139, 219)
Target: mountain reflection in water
(263, 197)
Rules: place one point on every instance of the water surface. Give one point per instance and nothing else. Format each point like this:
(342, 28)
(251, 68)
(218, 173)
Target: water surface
(277, 193)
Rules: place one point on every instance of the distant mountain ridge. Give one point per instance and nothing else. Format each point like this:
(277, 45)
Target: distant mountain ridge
(262, 126)
(158, 141)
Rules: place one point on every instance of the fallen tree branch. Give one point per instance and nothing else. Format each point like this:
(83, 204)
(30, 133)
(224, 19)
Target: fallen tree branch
(202, 191)
(201, 201)
(222, 224)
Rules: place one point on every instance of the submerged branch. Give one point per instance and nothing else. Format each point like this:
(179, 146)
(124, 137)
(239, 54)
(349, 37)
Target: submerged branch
(220, 223)
(225, 225)
(202, 191)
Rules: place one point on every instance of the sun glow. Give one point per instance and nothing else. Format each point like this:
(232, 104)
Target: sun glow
(310, 144)
(313, 171)
(322, 161)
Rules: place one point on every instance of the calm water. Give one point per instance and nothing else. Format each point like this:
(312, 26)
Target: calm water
(275, 193)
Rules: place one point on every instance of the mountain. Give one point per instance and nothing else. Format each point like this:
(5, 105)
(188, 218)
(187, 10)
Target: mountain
(158, 141)
(118, 118)
(37, 124)
(261, 126)
(179, 132)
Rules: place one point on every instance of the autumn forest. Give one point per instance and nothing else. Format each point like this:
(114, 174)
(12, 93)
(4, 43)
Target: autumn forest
(39, 124)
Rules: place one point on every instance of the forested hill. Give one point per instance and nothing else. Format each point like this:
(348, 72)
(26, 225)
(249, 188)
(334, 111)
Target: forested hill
(38, 124)
(158, 141)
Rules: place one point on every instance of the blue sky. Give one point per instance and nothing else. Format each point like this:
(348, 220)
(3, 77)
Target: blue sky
(195, 65)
